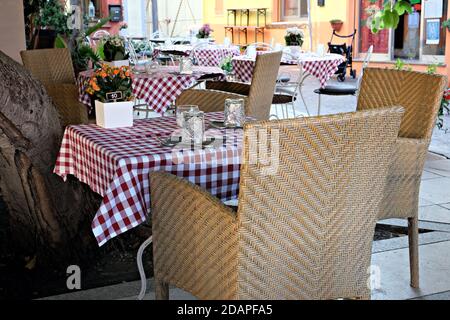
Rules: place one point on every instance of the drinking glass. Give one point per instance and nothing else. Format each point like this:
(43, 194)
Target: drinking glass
(181, 109)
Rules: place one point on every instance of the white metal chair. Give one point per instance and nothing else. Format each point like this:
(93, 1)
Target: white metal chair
(287, 92)
(343, 89)
(260, 45)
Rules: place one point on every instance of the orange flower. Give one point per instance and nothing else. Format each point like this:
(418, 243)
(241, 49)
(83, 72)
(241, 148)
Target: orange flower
(95, 87)
(103, 74)
(127, 73)
(116, 72)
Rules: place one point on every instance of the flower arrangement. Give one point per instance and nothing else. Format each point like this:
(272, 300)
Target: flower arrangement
(294, 37)
(204, 32)
(108, 79)
(114, 48)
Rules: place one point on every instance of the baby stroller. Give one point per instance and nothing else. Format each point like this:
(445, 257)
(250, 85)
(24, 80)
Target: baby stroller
(347, 52)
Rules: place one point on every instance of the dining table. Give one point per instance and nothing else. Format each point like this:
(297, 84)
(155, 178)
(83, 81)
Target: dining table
(158, 88)
(322, 67)
(210, 55)
(115, 163)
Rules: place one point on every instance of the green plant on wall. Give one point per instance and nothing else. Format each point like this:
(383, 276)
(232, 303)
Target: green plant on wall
(52, 16)
(388, 17)
(82, 53)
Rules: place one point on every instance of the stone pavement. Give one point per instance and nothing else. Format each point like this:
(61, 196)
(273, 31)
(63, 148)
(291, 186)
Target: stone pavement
(391, 256)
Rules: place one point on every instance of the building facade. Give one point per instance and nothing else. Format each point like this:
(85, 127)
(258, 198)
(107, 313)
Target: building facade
(419, 40)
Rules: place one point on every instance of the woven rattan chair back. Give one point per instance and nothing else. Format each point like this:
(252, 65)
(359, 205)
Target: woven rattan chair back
(419, 93)
(263, 85)
(308, 207)
(50, 65)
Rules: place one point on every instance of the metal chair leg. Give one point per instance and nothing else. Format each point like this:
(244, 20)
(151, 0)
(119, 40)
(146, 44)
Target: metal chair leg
(293, 109)
(141, 267)
(320, 102)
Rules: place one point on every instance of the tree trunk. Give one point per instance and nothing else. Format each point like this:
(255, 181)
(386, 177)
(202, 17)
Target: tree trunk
(48, 217)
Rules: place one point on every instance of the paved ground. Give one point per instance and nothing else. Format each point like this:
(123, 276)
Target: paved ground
(391, 256)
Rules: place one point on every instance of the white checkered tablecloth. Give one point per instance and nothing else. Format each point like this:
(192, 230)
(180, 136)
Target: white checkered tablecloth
(323, 68)
(208, 56)
(160, 89)
(116, 163)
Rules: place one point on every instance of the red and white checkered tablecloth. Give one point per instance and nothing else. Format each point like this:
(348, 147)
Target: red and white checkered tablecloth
(116, 163)
(323, 68)
(208, 56)
(160, 89)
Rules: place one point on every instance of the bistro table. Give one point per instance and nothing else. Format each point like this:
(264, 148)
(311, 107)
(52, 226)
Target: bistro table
(209, 55)
(321, 67)
(115, 163)
(158, 89)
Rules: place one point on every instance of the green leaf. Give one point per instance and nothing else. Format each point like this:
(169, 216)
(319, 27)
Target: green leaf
(60, 43)
(96, 27)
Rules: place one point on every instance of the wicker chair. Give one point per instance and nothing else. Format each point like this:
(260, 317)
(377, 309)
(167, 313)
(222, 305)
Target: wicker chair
(420, 94)
(258, 95)
(304, 226)
(53, 67)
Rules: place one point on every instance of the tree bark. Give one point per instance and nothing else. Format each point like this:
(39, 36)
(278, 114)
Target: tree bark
(48, 217)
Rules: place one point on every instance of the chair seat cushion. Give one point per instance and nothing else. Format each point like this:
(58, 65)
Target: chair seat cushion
(337, 90)
(281, 99)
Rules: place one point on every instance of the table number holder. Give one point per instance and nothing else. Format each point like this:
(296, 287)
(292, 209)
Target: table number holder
(186, 65)
(234, 113)
(193, 129)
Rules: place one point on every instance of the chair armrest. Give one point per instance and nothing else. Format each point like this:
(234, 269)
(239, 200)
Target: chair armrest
(401, 194)
(195, 239)
(232, 87)
(409, 157)
(65, 97)
(207, 100)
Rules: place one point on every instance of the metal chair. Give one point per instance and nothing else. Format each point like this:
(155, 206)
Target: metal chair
(304, 226)
(259, 45)
(344, 89)
(288, 92)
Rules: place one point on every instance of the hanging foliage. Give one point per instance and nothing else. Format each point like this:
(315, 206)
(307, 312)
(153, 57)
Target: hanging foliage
(388, 16)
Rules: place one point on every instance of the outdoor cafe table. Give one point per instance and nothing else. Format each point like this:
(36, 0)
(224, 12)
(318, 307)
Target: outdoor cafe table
(158, 89)
(208, 56)
(321, 67)
(116, 163)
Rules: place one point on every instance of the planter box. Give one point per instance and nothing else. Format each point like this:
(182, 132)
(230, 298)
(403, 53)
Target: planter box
(294, 50)
(118, 63)
(114, 114)
(337, 26)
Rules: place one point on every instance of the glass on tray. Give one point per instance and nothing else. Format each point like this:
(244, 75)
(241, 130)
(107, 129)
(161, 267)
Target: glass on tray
(184, 108)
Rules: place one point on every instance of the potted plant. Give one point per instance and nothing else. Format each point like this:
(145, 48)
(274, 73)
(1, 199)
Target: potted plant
(111, 89)
(336, 24)
(204, 33)
(227, 66)
(114, 51)
(49, 21)
(294, 40)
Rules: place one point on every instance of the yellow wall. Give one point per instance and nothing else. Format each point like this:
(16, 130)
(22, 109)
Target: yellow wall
(345, 10)
(320, 16)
